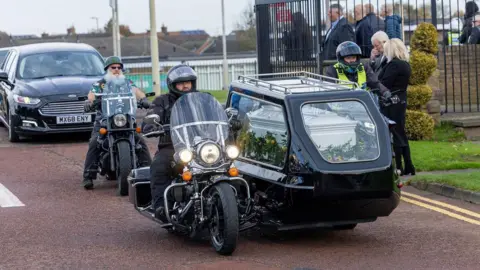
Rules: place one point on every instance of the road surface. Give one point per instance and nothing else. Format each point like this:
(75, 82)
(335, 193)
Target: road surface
(47, 220)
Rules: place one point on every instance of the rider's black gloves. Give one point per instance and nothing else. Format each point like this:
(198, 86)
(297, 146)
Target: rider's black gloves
(91, 106)
(386, 95)
(144, 103)
(235, 124)
(87, 106)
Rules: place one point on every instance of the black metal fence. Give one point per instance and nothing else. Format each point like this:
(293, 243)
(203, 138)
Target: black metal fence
(288, 39)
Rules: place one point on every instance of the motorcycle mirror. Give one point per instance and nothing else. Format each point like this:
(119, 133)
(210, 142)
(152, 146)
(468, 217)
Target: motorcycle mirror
(231, 111)
(152, 119)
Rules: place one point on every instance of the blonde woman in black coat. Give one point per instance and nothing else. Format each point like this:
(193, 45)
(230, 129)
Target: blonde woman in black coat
(395, 76)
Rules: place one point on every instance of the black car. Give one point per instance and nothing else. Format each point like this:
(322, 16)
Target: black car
(43, 88)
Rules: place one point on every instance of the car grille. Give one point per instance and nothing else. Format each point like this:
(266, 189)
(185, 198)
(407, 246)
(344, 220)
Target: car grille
(59, 108)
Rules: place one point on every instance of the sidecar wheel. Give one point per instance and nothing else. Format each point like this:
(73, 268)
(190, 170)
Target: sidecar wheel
(224, 226)
(124, 167)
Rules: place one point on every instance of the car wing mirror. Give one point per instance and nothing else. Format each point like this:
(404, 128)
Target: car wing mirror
(152, 119)
(231, 112)
(4, 78)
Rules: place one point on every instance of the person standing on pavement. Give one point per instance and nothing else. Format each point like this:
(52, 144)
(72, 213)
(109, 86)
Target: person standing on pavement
(395, 76)
(475, 36)
(377, 59)
(471, 9)
(339, 32)
(393, 22)
(366, 27)
(349, 68)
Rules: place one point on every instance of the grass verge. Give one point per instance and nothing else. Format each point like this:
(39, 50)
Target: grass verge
(432, 156)
(220, 95)
(467, 181)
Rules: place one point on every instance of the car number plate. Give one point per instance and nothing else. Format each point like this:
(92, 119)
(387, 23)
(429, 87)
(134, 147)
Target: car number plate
(74, 119)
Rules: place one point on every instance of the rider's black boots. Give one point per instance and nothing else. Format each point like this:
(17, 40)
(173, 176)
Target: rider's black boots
(87, 183)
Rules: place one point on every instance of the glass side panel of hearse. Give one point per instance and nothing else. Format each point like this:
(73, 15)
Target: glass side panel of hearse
(336, 124)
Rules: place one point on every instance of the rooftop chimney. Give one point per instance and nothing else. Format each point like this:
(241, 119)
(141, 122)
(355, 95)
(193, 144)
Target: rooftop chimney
(164, 29)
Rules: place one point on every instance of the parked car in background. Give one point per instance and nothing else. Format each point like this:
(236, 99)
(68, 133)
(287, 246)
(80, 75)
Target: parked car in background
(3, 54)
(43, 88)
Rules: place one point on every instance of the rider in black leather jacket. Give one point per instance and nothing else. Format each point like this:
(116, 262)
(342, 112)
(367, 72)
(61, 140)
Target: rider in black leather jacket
(181, 79)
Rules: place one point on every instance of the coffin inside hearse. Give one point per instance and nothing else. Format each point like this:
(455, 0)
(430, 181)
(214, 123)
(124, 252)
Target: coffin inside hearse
(333, 127)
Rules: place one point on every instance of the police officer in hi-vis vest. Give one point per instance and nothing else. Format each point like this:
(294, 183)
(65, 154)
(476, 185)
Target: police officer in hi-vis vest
(349, 68)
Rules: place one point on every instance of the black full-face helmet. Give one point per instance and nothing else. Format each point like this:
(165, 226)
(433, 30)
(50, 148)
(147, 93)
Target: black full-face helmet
(348, 48)
(181, 73)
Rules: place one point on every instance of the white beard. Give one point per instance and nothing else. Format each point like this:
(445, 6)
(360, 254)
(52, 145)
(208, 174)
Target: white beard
(110, 77)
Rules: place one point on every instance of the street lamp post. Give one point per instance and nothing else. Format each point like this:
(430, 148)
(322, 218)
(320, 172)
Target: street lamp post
(154, 49)
(224, 42)
(96, 18)
(114, 33)
(115, 28)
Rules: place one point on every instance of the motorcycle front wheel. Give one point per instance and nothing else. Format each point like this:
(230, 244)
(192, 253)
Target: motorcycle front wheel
(224, 226)
(124, 166)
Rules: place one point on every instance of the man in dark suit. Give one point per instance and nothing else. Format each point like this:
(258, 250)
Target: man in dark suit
(366, 27)
(475, 36)
(339, 32)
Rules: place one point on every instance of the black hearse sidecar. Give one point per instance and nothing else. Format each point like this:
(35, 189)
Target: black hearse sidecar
(316, 151)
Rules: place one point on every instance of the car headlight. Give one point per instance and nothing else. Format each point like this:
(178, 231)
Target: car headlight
(120, 120)
(232, 151)
(210, 153)
(185, 155)
(26, 100)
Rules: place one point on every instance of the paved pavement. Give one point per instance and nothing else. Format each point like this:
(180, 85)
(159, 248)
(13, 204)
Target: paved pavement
(62, 226)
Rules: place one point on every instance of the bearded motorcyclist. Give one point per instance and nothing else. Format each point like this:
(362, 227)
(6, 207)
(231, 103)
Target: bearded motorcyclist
(181, 79)
(114, 70)
(349, 68)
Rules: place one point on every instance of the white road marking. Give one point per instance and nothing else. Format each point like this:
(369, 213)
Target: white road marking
(8, 199)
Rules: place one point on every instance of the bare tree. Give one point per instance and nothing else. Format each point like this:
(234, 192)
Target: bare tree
(246, 30)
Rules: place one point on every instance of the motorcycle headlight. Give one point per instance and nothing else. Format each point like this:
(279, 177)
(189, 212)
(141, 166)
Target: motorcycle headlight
(185, 155)
(120, 120)
(232, 151)
(210, 153)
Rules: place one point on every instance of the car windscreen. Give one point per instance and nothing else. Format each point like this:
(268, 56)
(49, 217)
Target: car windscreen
(342, 131)
(59, 63)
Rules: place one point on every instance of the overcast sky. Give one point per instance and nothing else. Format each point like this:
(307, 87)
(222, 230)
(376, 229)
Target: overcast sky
(24, 17)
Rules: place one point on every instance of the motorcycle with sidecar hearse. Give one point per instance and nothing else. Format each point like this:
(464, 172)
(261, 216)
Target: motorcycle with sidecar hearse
(291, 151)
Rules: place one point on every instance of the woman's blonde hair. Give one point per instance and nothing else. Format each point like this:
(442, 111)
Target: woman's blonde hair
(395, 48)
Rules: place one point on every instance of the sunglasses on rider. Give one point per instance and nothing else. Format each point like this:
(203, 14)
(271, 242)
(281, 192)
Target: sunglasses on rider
(116, 67)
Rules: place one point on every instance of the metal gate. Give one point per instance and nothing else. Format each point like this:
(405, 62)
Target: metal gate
(288, 39)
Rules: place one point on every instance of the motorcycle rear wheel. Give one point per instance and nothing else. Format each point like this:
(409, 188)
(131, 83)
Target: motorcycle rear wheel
(224, 225)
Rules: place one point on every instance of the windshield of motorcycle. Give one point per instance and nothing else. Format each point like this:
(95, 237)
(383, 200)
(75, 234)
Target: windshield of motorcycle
(118, 98)
(197, 117)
